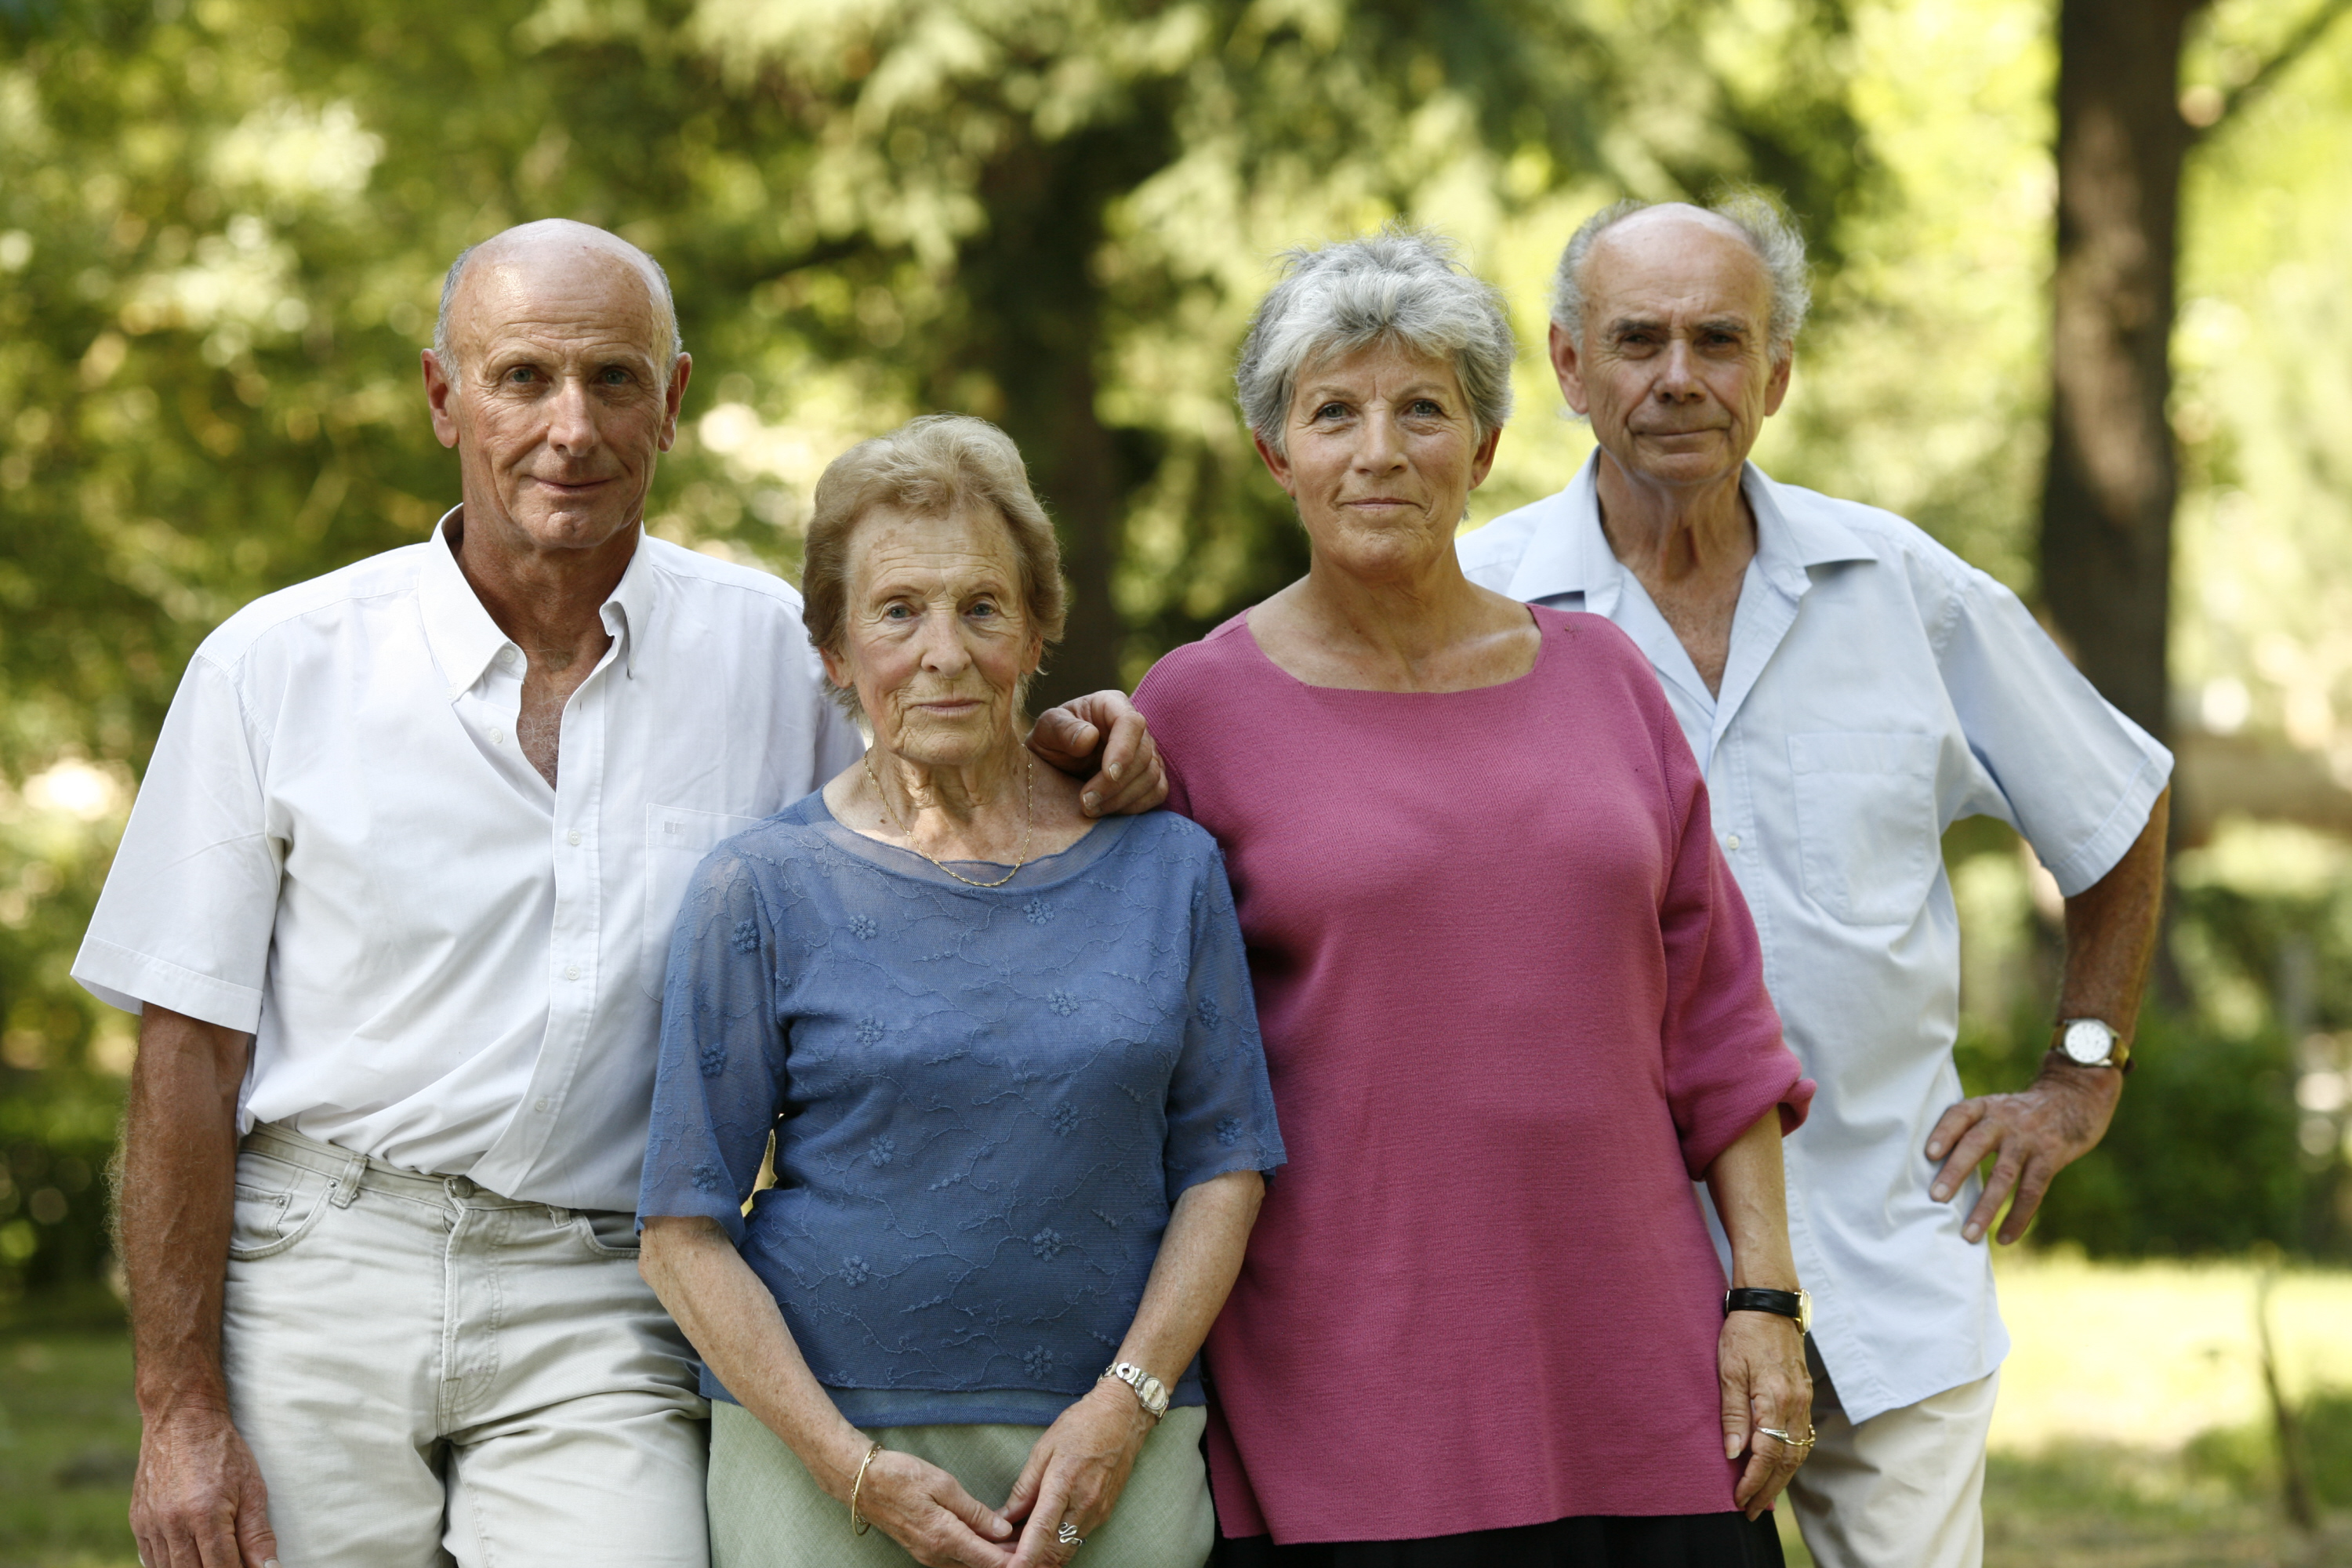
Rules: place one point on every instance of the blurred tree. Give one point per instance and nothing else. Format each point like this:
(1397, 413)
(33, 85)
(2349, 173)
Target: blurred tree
(1048, 188)
(222, 225)
(2124, 131)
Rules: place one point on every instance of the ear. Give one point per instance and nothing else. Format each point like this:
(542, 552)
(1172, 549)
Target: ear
(1775, 389)
(1568, 365)
(675, 400)
(440, 394)
(1482, 461)
(836, 669)
(1276, 464)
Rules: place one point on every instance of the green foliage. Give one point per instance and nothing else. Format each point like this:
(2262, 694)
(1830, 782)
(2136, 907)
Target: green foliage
(57, 1137)
(223, 224)
(2209, 1151)
(2201, 1157)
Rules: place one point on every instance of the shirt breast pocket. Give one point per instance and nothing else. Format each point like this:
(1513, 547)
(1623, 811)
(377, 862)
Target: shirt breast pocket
(676, 838)
(1866, 830)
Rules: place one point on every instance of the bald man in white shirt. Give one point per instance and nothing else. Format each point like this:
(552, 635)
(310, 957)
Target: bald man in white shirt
(394, 904)
(1850, 688)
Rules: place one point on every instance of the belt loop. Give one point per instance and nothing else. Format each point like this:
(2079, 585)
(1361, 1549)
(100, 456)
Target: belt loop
(347, 1185)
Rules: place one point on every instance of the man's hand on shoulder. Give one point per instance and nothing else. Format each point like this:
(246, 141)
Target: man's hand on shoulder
(198, 1500)
(1102, 738)
(2030, 1136)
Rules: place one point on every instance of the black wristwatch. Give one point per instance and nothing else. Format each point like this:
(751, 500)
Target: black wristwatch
(1796, 1304)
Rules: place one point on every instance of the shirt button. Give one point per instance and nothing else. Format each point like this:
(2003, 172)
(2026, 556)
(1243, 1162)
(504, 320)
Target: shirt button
(571, 971)
(497, 736)
(573, 838)
(506, 658)
(1732, 842)
(539, 1105)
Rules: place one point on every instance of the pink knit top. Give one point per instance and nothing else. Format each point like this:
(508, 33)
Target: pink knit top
(1512, 1004)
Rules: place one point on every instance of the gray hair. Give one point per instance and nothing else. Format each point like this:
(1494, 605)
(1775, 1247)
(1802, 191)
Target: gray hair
(1767, 226)
(1400, 285)
(934, 467)
(656, 281)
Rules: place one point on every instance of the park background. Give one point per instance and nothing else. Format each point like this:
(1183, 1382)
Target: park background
(222, 225)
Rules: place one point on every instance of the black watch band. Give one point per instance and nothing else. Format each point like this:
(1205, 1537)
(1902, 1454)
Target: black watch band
(1780, 1303)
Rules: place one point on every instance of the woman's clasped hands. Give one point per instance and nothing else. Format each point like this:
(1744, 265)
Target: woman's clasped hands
(1073, 1478)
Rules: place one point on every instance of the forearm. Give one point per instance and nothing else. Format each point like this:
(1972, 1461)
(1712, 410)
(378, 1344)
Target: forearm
(2111, 930)
(735, 1325)
(179, 1199)
(1752, 1199)
(1200, 1258)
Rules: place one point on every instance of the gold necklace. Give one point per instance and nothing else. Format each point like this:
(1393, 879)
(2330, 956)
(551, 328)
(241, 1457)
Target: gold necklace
(1028, 825)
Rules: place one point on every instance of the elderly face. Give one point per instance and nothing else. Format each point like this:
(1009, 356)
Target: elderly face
(1674, 370)
(935, 638)
(1382, 456)
(563, 395)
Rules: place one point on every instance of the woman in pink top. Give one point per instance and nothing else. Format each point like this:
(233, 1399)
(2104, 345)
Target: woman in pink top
(1513, 1006)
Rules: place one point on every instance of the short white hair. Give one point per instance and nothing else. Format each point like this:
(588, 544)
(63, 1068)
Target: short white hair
(1767, 226)
(656, 283)
(1400, 285)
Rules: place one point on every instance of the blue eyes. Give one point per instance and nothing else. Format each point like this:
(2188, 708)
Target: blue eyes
(1419, 406)
(611, 375)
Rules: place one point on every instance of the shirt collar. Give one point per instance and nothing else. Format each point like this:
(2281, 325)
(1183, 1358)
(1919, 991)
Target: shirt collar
(629, 612)
(1572, 554)
(1568, 553)
(462, 637)
(1792, 537)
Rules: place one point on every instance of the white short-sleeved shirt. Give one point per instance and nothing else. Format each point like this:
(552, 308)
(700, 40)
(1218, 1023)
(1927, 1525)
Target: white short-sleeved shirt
(1878, 688)
(446, 963)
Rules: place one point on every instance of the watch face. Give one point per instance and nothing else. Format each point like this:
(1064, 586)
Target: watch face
(2089, 1042)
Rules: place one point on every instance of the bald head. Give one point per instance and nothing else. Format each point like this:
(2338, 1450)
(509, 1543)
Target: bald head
(1747, 217)
(552, 248)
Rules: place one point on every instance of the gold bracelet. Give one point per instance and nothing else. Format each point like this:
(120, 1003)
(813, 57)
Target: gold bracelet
(857, 1524)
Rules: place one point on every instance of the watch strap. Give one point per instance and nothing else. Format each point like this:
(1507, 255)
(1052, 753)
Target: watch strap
(1780, 1303)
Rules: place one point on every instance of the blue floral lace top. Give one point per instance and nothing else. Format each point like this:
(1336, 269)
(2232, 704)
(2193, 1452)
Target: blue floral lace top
(985, 1101)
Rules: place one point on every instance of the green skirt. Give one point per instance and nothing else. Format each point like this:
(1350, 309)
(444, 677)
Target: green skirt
(765, 1511)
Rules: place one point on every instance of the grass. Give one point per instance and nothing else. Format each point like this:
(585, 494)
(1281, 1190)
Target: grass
(2132, 1430)
(68, 1433)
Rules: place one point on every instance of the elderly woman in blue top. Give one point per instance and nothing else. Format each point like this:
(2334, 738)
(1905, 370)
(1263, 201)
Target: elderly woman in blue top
(1011, 1069)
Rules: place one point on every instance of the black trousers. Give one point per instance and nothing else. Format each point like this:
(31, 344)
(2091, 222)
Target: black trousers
(1673, 1540)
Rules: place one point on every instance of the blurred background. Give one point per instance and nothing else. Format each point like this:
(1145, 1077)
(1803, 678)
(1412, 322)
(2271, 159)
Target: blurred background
(222, 225)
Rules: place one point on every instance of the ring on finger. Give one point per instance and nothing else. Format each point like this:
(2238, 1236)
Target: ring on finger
(1067, 1535)
(1802, 1445)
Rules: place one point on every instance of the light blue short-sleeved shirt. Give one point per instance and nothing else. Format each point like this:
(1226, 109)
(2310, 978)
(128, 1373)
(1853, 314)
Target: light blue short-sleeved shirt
(1878, 690)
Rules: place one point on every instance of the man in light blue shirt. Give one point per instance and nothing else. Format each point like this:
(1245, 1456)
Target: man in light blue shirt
(1850, 689)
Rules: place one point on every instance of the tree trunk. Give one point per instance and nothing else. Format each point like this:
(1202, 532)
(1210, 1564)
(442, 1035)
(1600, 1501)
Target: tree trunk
(2107, 501)
(1034, 331)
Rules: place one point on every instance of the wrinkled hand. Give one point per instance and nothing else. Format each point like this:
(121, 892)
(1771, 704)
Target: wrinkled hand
(926, 1511)
(1071, 738)
(198, 1500)
(1760, 1358)
(2031, 1135)
(1076, 1471)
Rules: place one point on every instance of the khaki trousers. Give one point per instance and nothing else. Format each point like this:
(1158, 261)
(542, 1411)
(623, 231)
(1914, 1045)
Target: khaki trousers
(430, 1373)
(765, 1511)
(1902, 1489)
